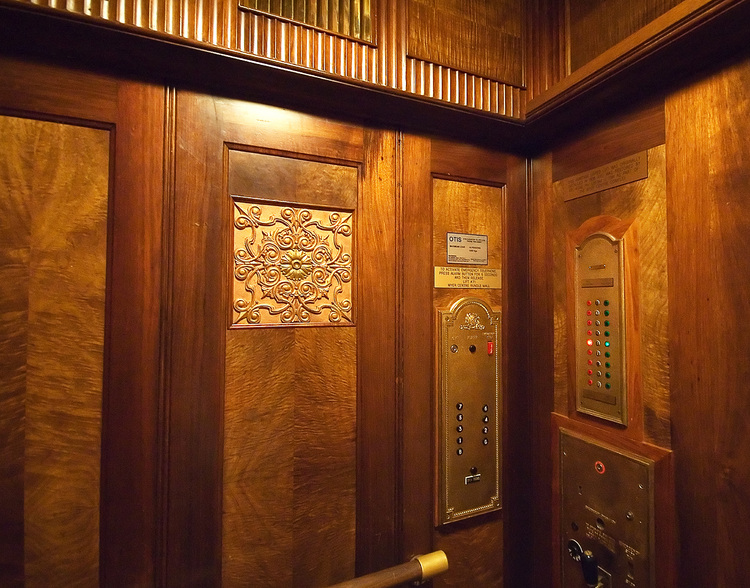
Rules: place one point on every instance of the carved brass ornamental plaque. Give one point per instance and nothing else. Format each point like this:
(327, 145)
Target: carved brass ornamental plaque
(469, 410)
(292, 265)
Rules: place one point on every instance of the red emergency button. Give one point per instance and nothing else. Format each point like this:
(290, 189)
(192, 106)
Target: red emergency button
(490, 347)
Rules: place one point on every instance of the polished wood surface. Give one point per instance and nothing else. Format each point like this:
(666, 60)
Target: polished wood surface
(707, 220)
(130, 408)
(482, 38)
(224, 27)
(297, 415)
(644, 203)
(290, 406)
(594, 27)
(54, 249)
(441, 181)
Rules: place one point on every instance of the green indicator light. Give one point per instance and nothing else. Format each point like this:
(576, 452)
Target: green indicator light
(606, 303)
(606, 323)
(606, 364)
(606, 333)
(606, 313)
(606, 343)
(606, 354)
(608, 375)
(607, 385)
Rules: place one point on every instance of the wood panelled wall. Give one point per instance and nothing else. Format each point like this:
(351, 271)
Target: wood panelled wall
(312, 443)
(402, 56)
(122, 488)
(691, 217)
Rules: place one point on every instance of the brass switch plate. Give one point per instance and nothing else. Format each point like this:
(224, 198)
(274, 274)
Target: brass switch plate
(607, 506)
(600, 363)
(469, 410)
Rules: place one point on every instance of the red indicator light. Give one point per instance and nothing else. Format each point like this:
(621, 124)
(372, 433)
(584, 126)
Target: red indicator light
(589, 332)
(591, 362)
(591, 351)
(591, 382)
(599, 467)
(590, 372)
(588, 302)
(490, 347)
(589, 342)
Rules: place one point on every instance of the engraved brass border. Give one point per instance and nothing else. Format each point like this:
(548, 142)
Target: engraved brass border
(445, 511)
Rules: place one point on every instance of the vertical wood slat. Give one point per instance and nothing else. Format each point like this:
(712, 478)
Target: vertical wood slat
(219, 23)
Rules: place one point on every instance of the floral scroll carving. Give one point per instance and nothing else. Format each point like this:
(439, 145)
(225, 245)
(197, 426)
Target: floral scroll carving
(292, 265)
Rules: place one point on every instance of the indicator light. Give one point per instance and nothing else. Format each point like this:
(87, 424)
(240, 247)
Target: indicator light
(606, 354)
(606, 343)
(608, 375)
(606, 303)
(607, 385)
(590, 352)
(588, 302)
(589, 342)
(606, 323)
(588, 313)
(607, 364)
(591, 382)
(490, 347)
(589, 332)
(590, 372)
(591, 362)
(606, 333)
(606, 313)
(588, 323)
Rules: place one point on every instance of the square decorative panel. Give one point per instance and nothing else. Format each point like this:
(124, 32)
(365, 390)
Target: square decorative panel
(292, 265)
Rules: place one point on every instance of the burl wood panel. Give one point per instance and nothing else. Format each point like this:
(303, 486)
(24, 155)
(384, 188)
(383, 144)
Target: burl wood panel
(474, 36)
(54, 233)
(596, 25)
(644, 202)
(321, 413)
(289, 457)
(708, 158)
(290, 417)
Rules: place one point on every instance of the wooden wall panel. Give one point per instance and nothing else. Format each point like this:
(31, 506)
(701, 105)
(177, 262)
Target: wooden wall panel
(644, 202)
(291, 495)
(460, 81)
(449, 186)
(597, 25)
(131, 403)
(482, 38)
(708, 158)
(55, 210)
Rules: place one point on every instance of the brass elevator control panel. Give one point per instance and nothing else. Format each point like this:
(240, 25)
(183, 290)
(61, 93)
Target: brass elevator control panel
(600, 361)
(469, 411)
(606, 515)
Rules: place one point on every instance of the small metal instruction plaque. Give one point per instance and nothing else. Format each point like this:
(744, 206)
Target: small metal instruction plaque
(467, 277)
(467, 249)
(617, 173)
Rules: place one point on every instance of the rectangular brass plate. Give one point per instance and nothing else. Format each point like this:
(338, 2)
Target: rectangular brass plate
(623, 171)
(469, 410)
(483, 278)
(600, 328)
(607, 506)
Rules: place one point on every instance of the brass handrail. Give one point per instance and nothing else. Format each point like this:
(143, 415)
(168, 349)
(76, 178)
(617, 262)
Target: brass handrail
(419, 569)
